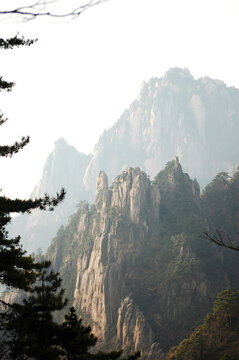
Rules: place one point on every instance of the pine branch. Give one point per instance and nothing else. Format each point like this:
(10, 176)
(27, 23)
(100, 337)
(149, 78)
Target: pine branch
(45, 203)
(2, 119)
(15, 42)
(5, 85)
(8, 151)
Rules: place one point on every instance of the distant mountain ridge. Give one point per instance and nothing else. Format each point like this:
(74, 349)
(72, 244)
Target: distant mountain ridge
(197, 120)
(64, 167)
(176, 115)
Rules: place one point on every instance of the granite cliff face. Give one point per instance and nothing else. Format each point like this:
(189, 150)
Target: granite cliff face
(100, 272)
(64, 167)
(197, 120)
(134, 264)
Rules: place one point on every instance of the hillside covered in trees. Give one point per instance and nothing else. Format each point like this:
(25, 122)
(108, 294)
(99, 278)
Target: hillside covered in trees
(217, 337)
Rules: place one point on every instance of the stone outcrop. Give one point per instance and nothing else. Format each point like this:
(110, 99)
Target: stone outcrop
(131, 192)
(134, 264)
(132, 328)
(101, 195)
(101, 270)
(195, 119)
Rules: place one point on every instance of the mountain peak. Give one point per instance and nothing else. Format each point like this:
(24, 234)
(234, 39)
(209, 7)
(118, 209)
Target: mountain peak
(179, 77)
(177, 72)
(60, 143)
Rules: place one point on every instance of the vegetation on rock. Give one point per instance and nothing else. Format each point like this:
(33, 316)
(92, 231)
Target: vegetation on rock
(32, 332)
(158, 257)
(217, 337)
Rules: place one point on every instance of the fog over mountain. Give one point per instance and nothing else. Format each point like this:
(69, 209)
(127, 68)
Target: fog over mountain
(64, 167)
(197, 120)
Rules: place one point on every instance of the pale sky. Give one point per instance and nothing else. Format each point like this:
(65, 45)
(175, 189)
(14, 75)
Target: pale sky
(80, 76)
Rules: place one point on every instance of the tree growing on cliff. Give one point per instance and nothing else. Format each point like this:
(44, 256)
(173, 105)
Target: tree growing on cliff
(223, 210)
(217, 337)
(16, 268)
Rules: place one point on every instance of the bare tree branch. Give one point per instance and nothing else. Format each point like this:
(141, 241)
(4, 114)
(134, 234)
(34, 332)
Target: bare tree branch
(220, 239)
(7, 305)
(43, 8)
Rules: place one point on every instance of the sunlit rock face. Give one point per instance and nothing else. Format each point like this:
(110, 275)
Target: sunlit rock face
(176, 115)
(197, 120)
(105, 251)
(135, 265)
(64, 167)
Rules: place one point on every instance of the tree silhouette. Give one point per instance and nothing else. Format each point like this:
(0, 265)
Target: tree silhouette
(76, 338)
(33, 332)
(16, 268)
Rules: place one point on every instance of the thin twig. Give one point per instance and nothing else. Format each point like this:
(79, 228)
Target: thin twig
(220, 240)
(36, 9)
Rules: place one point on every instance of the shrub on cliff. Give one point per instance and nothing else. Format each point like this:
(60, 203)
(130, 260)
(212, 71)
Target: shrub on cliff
(217, 337)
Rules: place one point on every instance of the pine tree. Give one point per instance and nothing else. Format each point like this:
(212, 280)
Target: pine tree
(76, 341)
(76, 338)
(34, 333)
(16, 268)
(217, 337)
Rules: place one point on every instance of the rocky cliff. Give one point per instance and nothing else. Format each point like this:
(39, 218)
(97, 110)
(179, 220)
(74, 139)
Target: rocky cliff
(197, 120)
(64, 167)
(135, 265)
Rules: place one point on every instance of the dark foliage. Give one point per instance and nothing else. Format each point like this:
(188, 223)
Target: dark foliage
(76, 338)
(217, 337)
(16, 268)
(27, 329)
(34, 333)
(8, 151)
(5, 85)
(15, 41)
